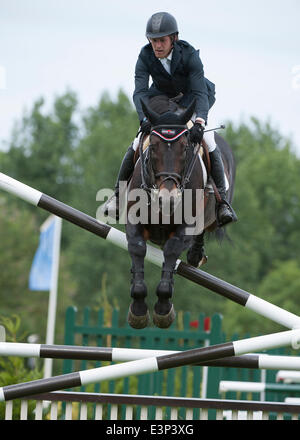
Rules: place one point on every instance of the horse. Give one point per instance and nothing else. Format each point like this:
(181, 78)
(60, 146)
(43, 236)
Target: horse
(169, 167)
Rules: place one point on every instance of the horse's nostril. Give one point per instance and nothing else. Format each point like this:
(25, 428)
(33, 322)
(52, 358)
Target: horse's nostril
(166, 203)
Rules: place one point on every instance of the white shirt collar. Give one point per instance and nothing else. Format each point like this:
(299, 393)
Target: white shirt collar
(166, 62)
(169, 57)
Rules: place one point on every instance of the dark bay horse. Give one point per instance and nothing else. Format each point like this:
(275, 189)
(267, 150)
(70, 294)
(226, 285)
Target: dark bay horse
(173, 180)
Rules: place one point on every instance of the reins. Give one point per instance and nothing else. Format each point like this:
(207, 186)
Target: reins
(141, 143)
(187, 176)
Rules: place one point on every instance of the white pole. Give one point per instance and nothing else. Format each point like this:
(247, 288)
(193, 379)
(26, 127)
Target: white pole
(53, 295)
(204, 375)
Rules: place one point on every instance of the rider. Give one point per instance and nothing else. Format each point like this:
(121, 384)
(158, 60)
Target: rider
(176, 71)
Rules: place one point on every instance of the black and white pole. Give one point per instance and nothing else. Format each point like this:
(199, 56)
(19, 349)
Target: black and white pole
(76, 352)
(154, 255)
(151, 364)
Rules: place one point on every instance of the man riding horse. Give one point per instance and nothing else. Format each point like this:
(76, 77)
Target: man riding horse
(177, 72)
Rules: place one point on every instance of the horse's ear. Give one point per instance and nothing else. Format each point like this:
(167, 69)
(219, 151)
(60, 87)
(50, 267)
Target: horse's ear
(186, 116)
(150, 114)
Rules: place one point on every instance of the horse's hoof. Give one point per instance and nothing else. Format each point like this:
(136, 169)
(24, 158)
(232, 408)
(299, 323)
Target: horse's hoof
(138, 321)
(196, 260)
(164, 321)
(203, 261)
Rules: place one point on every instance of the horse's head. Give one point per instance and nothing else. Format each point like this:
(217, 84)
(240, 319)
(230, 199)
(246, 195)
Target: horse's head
(168, 152)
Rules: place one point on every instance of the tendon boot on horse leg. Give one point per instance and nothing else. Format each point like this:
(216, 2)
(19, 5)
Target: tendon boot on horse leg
(224, 212)
(196, 255)
(111, 207)
(138, 314)
(164, 312)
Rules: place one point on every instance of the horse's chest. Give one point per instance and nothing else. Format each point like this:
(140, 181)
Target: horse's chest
(159, 234)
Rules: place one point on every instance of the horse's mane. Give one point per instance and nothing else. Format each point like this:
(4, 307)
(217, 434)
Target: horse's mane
(162, 104)
(167, 109)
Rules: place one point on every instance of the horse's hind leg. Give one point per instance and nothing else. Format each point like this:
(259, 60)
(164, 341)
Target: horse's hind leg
(196, 255)
(164, 312)
(138, 314)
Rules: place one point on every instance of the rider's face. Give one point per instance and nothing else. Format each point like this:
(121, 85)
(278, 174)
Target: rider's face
(161, 46)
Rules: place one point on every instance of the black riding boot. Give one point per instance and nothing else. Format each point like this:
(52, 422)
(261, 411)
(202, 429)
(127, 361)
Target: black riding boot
(225, 213)
(127, 166)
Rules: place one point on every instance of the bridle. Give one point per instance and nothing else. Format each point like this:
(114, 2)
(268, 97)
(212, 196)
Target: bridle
(169, 134)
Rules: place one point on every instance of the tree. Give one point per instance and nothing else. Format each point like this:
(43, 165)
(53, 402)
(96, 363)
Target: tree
(41, 148)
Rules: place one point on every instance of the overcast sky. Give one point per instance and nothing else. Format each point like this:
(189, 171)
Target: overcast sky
(250, 49)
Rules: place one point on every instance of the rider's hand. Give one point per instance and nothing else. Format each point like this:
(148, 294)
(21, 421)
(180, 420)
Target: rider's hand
(196, 132)
(200, 121)
(145, 126)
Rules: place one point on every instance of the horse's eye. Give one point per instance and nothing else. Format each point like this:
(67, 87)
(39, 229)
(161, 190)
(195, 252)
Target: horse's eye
(153, 148)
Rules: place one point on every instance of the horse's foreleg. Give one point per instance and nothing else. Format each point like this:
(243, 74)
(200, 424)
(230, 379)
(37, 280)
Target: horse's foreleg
(138, 314)
(164, 312)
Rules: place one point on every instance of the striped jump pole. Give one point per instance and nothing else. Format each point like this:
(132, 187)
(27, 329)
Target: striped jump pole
(256, 387)
(76, 352)
(151, 364)
(154, 255)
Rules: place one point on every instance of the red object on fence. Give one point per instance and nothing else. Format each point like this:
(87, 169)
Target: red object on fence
(206, 324)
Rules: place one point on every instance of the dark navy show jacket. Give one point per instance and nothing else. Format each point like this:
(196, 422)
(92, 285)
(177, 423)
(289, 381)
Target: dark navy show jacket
(187, 77)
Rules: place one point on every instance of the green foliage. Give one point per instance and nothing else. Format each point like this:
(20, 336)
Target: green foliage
(41, 147)
(281, 287)
(71, 154)
(13, 369)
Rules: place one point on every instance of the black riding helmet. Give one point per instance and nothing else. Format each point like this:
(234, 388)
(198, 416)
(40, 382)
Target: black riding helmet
(160, 25)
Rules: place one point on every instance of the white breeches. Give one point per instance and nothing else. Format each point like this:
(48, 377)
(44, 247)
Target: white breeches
(209, 137)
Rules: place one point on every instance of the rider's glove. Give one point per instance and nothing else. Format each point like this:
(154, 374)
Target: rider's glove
(196, 132)
(145, 126)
